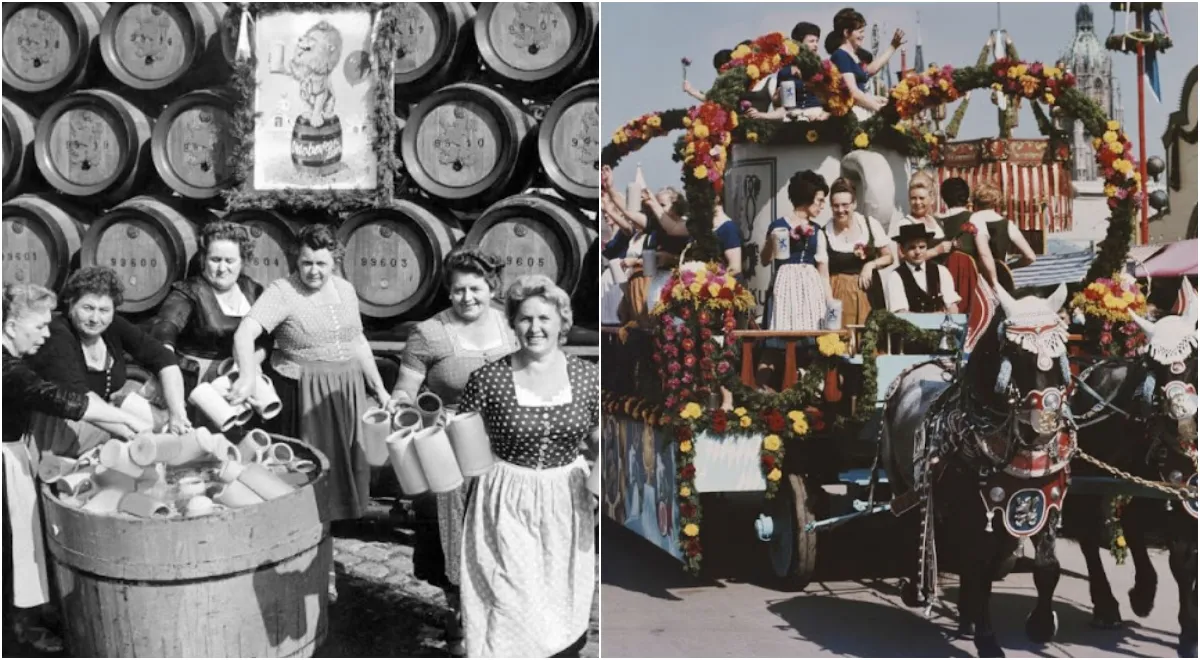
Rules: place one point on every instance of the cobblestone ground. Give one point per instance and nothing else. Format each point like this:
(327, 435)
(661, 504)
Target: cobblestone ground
(382, 610)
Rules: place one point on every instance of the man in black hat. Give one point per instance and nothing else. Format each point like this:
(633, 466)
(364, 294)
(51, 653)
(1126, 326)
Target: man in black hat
(917, 285)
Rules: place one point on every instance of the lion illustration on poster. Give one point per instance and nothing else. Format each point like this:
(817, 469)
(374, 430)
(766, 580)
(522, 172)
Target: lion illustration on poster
(318, 52)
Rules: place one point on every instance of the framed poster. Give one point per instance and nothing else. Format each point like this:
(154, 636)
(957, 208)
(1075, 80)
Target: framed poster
(316, 108)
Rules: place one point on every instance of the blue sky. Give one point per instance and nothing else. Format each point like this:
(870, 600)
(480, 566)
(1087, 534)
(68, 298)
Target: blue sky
(643, 43)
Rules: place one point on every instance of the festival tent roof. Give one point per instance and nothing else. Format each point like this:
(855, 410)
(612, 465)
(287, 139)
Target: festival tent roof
(1175, 260)
(1052, 269)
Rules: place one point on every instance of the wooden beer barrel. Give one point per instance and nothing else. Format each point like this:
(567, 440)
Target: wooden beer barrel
(49, 47)
(248, 582)
(538, 47)
(394, 256)
(273, 235)
(468, 145)
(18, 148)
(534, 233)
(151, 45)
(317, 150)
(149, 242)
(93, 142)
(432, 40)
(42, 237)
(569, 142)
(191, 144)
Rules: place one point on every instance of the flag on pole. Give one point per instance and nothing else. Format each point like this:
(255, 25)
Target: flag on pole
(1152, 79)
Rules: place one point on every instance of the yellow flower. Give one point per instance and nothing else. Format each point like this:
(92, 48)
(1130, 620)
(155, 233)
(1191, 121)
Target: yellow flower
(740, 52)
(691, 529)
(997, 86)
(776, 60)
(772, 443)
(701, 172)
(795, 415)
(1121, 541)
(691, 410)
(791, 47)
(1123, 166)
(686, 446)
(1052, 72)
(618, 137)
(930, 138)
(1109, 191)
(753, 72)
(687, 121)
(725, 139)
(1110, 136)
(714, 290)
(899, 127)
(677, 291)
(1096, 143)
(1050, 98)
(733, 119)
(739, 411)
(684, 491)
(1116, 147)
(746, 422)
(943, 84)
(695, 287)
(654, 121)
(700, 130)
(800, 428)
(690, 149)
(830, 345)
(811, 136)
(752, 136)
(1114, 125)
(861, 140)
(774, 475)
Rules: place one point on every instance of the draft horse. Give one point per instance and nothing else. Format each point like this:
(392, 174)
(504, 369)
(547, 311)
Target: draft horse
(1140, 417)
(981, 450)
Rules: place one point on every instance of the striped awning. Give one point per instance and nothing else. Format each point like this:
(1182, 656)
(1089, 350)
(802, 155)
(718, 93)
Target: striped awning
(1035, 183)
(1050, 269)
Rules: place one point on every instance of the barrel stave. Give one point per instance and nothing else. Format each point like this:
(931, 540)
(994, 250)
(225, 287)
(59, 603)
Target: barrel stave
(569, 143)
(433, 43)
(19, 134)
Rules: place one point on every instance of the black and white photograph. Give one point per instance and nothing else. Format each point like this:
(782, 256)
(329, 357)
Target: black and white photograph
(898, 329)
(301, 329)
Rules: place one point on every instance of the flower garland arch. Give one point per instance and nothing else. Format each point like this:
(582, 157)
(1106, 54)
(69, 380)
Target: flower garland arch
(712, 127)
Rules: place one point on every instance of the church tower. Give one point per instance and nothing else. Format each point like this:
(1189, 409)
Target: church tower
(1087, 58)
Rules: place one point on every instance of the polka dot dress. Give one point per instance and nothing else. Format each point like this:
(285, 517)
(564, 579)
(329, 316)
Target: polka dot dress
(528, 562)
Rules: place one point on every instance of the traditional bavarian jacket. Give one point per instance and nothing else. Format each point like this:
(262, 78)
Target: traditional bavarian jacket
(921, 288)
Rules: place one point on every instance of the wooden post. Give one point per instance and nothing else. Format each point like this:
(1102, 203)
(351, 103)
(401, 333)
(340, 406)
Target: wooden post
(1141, 97)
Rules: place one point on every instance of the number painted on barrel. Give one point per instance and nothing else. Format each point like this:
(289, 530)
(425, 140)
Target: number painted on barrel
(20, 256)
(133, 263)
(373, 262)
(530, 262)
(266, 261)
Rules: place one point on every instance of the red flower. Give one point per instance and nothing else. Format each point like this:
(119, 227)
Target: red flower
(706, 363)
(670, 402)
(685, 394)
(723, 367)
(816, 419)
(705, 333)
(687, 510)
(775, 422)
(720, 421)
(688, 344)
(688, 472)
(692, 548)
(685, 313)
(768, 461)
(689, 360)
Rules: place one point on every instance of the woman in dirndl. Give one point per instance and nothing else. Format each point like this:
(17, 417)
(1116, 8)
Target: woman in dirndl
(89, 350)
(27, 601)
(201, 313)
(858, 249)
(321, 367)
(799, 288)
(439, 356)
(528, 563)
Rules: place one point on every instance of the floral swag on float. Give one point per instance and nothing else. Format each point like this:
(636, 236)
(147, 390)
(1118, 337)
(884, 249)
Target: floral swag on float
(714, 126)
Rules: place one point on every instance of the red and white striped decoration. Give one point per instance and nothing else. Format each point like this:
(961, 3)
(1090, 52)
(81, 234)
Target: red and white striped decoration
(1037, 194)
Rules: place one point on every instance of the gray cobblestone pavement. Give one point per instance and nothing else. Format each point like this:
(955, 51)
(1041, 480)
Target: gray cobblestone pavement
(382, 610)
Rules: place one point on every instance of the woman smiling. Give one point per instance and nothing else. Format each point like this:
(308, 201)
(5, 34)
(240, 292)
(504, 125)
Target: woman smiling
(528, 562)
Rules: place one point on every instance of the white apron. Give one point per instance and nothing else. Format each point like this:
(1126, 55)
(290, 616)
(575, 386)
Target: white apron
(30, 585)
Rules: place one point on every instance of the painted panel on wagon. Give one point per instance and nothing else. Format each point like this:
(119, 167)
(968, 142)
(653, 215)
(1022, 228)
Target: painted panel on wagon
(640, 481)
(314, 101)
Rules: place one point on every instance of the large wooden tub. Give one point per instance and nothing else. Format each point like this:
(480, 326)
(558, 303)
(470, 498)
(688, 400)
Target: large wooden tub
(249, 582)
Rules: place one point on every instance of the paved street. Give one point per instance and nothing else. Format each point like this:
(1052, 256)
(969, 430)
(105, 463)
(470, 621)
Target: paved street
(652, 608)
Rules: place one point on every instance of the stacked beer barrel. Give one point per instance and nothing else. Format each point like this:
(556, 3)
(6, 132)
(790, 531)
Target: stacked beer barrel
(117, 144)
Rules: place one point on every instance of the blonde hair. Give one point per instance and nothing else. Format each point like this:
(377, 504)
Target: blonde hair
(540, 286)
(987, 195)
(922, 180)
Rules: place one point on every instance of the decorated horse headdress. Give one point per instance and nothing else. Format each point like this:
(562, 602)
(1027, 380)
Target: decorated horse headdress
(1171, 344)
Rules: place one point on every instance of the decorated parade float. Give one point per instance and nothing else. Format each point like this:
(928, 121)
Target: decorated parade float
(413, 127)
(962, 423)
